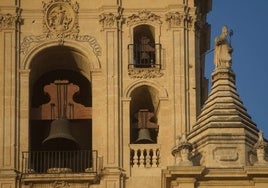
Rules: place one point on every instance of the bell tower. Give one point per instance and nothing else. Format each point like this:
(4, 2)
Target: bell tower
(112, 94)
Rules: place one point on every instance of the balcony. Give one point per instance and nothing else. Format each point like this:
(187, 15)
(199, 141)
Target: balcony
(38, 166)
(144, 56)
(144, 155)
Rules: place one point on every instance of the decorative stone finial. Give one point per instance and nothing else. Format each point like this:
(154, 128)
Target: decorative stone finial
(223, 50)
(182, 151)
(260, 149)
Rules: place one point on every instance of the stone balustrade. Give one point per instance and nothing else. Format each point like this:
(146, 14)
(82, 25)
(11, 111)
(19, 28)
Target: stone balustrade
(144, 155)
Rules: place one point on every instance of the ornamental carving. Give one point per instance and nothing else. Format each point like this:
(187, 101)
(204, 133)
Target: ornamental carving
(143, 16)
(28, 41)
(190, 22)
(60, 18)
(144, 73)
(9, 21)
(174, 19)
(60, 184)
(60, 23)
(109, 20)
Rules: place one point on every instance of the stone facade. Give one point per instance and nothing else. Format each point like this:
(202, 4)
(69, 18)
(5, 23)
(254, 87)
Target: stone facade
(108, 94)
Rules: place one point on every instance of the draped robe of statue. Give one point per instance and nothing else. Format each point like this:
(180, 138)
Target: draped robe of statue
(223, 50)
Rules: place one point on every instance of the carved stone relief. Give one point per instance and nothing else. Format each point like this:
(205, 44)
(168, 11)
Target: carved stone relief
(144, 73)
(177, 19)
(60, 23)
(174, 19)
(9, 21)
(60, 184)
(109, 20)
(143, 16)
(60, 18)
(190, 22)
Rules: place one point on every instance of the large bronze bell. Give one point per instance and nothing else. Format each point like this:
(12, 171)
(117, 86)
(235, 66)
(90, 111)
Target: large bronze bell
(60, 137)
(144, 137)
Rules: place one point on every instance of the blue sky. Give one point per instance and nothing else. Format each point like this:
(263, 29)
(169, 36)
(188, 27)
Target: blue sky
(248, 20)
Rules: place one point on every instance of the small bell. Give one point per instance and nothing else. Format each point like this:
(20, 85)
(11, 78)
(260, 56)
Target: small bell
(144, 137)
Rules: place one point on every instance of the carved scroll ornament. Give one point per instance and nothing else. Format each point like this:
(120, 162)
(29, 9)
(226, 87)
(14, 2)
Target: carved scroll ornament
(145, 73)
(143, 16)
(60, 184)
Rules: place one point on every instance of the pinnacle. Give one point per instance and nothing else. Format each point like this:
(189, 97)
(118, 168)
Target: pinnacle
(223, 103)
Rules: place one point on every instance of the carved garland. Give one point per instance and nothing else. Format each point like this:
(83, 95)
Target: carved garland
(60, 23)
(144, 73)
(142, 17)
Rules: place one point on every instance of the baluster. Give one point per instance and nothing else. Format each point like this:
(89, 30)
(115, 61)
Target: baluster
(142, 158)
(154, 157)
(158, 157)
(147, 158)
(135, 158)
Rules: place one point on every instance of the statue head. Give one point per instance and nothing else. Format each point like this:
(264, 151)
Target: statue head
(224, 31)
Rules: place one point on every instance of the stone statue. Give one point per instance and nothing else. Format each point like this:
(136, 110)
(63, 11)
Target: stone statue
(223, 50)
(260, 150)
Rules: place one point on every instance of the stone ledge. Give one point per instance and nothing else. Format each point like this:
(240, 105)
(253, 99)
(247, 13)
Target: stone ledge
(70, 177)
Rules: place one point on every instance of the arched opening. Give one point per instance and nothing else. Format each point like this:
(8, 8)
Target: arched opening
(46, 107)
(60, 129)
(143, 115)
(144, 47)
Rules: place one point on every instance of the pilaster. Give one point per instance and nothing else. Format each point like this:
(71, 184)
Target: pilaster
(24, 110)
(110, 21)
(126, 134)
(175, 23)
(9, 20)
(112, 178)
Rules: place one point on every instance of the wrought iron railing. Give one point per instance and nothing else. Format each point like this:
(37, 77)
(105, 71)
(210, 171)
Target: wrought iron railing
(83, 161)
(142, 57)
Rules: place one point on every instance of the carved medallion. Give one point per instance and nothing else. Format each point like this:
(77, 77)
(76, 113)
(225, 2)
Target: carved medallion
(60, 23)
(60, 17)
